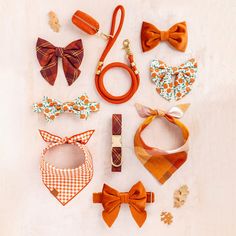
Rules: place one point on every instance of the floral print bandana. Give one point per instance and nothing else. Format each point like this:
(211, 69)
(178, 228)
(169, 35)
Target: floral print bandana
(52, 108)
(173, 83)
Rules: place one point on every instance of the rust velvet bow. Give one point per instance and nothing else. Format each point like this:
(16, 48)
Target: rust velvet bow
(71, 55)
(111, 200)
(151, 36)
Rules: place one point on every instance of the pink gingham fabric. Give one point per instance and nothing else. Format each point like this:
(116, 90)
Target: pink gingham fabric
(65, 184)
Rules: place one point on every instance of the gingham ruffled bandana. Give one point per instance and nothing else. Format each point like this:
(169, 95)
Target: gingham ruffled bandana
(173, 83)
(52, 108)
(65, 184)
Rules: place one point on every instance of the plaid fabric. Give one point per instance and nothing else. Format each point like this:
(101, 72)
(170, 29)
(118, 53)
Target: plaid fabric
(71, 55)
(161, 163)
(116, 151)
(65, 184)
(82, 138)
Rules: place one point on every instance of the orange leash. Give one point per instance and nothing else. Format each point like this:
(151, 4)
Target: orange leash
(132, 70)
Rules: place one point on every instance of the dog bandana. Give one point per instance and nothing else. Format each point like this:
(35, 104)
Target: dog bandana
(176, 36)
(71, 56)
(161, 163)
(65, 184)
(52, 108)
(111, 201)
(173, 83)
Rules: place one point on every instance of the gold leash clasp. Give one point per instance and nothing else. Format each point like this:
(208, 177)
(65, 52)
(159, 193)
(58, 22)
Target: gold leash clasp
(126, 47)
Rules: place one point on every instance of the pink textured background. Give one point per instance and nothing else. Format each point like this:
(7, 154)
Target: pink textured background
(26, 206)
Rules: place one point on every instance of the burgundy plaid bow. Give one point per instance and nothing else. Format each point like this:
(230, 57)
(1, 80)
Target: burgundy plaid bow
(71, 55)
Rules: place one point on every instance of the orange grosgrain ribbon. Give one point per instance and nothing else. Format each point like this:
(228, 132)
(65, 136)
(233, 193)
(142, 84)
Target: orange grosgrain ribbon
(177, 36)
(161, 163)
(111, 200)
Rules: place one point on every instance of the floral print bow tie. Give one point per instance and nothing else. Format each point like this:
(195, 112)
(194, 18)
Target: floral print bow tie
(52, 108)
(173, 83)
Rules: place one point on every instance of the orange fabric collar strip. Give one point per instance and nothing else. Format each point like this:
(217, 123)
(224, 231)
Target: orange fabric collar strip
(65, 184)
(161, 163)
(112, 199)
(176, 36)
(98, 197)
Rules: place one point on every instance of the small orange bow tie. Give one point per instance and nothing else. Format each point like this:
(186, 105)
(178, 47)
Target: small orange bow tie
(111, 200)
(177, 36)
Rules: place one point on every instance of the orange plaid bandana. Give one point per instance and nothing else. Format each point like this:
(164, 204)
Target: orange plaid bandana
(65, 184)
(161, 163)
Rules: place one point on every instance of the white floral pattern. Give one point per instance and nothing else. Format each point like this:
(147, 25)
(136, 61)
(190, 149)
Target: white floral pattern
(52, 108)
(173, 83)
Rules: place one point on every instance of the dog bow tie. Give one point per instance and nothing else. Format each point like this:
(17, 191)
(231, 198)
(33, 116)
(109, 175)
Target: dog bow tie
(177, 36)
(71, 55)
(82, 138)
(169, 88)
(52, 108)
(111, 200)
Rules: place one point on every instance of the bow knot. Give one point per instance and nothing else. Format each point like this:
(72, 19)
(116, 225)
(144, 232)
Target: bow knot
(67, 140)
(124, 197)
(159, 112)
(59, 52)
(164, 35)
(71, 55)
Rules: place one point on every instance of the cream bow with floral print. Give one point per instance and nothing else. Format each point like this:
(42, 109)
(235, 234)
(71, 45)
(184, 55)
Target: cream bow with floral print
(52, 108)
(173, 83)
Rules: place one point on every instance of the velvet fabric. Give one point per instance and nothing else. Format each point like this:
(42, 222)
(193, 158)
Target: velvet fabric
(176, 36)
(112, 199)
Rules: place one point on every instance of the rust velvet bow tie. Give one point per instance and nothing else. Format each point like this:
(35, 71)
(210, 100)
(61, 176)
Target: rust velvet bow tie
(71, 55)
(111, 200)
(151, 36)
